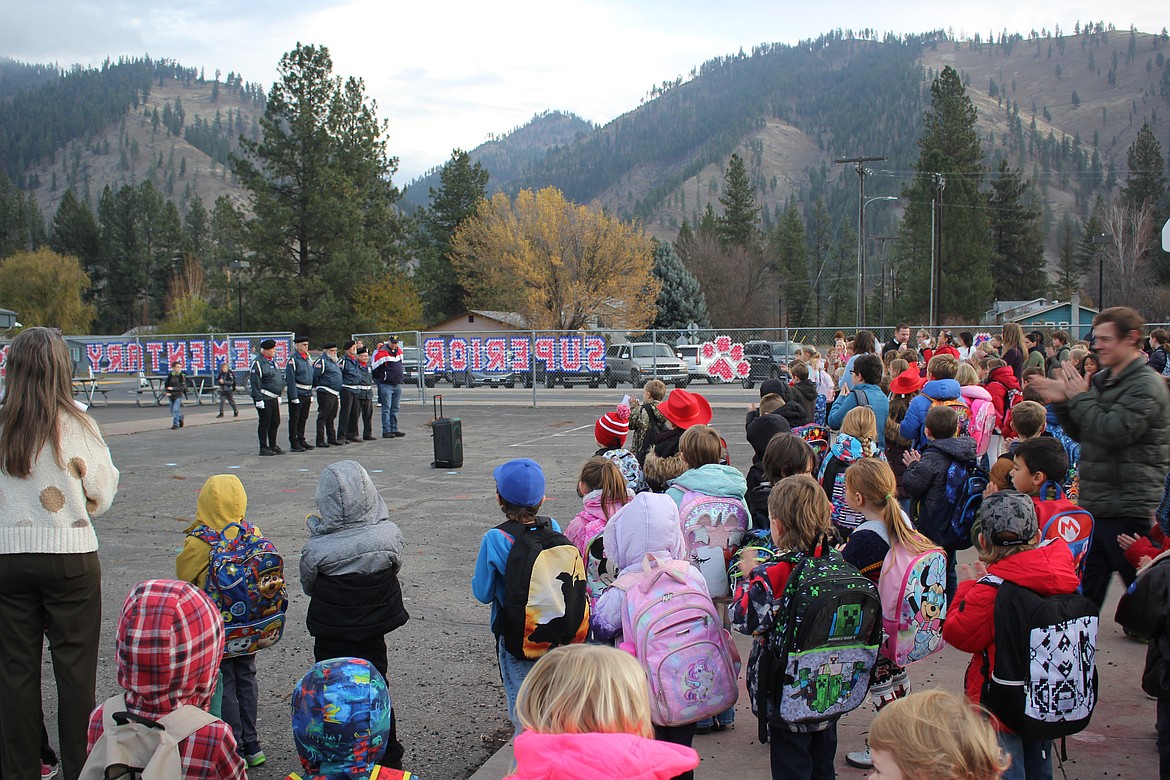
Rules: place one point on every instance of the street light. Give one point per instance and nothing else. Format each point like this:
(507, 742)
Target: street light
(1100, 241)
(240, 265)
(861, 257)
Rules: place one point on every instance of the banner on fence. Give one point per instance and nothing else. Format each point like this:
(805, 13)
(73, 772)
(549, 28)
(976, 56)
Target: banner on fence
(501, 354)
(195, 355)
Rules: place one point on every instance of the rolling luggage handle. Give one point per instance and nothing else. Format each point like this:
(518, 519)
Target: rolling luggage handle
(437, 403)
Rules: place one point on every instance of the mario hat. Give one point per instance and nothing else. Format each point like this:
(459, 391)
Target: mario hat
(685, 409)
(520, 482)
(612, 427)
(907, 382)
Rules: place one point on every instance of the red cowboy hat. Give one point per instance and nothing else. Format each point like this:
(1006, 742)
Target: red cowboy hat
(685, 409)
(907, 382)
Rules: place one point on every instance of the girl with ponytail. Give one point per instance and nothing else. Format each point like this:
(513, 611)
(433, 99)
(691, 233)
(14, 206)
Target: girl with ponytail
(870, 490)
(603, 491)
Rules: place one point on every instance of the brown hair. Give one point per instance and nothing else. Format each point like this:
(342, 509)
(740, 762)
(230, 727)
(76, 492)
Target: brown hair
(600, 473)
(700, 445)
(656, 389)
(942, 366)
(518, 513)
(1028, 418)
(770, 403)
(1013, 336)
(1124, 319)
(936, 735)
(39, 389)
(1062, 337)
(911, 356)
(1030, 372)
(994, 363)
(897, 365)
(942, 422)
(787, 454)
(864, 343)
(800, 512)
(874, 480)
(799, 371)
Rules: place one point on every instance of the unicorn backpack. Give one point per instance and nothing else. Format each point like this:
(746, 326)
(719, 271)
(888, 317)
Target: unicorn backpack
(712, 526)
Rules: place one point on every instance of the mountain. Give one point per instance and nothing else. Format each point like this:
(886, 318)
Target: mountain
(507, 156)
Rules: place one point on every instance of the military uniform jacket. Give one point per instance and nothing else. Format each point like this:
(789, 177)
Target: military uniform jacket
(298, 377)
(354, 377)
(265, 380)
(327, 375)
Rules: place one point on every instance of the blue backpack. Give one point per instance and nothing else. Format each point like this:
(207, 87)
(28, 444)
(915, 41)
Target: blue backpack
(820, 409)
(245, 579)
(965, 483)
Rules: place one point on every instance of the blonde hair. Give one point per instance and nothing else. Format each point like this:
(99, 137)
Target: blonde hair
(936, 735)
(770, 403)
(861, 423)
(800, 513)
(874, 480)
(700, 445)
(966, 375)
(656, 389)
(583, 688)
(602, 474)
(1013, 336)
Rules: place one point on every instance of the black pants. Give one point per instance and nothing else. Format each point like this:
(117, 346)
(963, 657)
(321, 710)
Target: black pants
(298, 413)
(1105, 555)
(803, 756)
(269, 423)
(1163, 738)
(241, 699)
(326, 414)
(374, 651)
(347, 422)
(679, 735)
(367, 411)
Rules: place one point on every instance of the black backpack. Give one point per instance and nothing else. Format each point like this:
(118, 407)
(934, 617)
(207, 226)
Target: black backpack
(1044, 682)
(545, 601)
(653, 428)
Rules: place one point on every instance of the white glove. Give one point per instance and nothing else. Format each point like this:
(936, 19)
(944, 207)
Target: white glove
(294, 400)
(259, 404)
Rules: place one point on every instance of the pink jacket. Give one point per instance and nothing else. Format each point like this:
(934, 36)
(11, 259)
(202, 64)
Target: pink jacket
(581, 756)
(589, 522)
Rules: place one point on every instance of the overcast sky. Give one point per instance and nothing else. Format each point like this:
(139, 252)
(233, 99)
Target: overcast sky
(449, 73)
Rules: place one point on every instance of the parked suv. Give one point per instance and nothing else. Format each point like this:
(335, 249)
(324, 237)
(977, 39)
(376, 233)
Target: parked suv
(642, 361)
(768, 359)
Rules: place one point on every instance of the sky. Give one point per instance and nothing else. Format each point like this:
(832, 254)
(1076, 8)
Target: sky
(449, 73)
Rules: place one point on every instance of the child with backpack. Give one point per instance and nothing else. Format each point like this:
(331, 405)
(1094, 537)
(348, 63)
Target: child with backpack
(935, 735)
(349, 570)
(982, 425)
(941, 389)
(645, 420)
(1029, 634)
(855, 442)
(910, 573)
(353, 738)
(1005, 392)
(532, 576)
(786, 454)
(176, 388)
(799, 681)
(603, 491)
(936, 482)
(682, 409)
(904, 388)
(610, 432)
(656, 587)
(218, 544)
(585, 711)
(170, 639)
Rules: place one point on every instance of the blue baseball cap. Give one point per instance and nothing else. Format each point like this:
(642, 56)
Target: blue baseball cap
(520, 482)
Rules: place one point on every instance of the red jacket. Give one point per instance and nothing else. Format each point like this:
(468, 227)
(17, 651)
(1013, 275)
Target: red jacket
(970, 624)
(999, 382)
(1152, 544)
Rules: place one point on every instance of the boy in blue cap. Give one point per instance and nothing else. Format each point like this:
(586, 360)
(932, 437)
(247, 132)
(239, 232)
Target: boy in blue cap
(520, 492)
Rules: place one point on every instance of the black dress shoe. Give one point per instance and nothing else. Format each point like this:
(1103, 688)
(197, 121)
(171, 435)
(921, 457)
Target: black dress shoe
(399, 434)
(296, 447)
(306, 445)
(336, 442)
(322, 444)
(368, 438)
(277, 451)
(265, 451)
(387, 435)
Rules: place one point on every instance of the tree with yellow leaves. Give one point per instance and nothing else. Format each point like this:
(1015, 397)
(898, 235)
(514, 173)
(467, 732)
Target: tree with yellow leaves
(45, 289)
(560, 265)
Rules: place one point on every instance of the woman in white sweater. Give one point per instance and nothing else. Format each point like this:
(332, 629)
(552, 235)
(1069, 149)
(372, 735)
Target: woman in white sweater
(55, 474)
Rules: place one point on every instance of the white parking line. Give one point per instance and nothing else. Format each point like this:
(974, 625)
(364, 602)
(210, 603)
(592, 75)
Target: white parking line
(552, 435)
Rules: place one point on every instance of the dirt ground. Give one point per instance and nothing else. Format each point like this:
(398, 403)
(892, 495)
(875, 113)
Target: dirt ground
(443, 676)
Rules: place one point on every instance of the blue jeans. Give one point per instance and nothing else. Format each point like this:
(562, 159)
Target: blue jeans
(1030, 760)
(176, 410)
(725, 718)
(512, 674)
(388, 397)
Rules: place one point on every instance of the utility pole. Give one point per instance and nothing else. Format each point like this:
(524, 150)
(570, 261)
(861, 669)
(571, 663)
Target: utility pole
(940, 184)
(882, 283)
(862, 172)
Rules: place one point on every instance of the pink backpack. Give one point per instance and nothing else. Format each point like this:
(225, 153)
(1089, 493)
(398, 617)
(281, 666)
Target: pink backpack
(912, 588)
(672, 627)
(982, 425)
(711, 525)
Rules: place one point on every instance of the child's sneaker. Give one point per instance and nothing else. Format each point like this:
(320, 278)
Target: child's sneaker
(860, 759)
(48, 771)
(255, 759)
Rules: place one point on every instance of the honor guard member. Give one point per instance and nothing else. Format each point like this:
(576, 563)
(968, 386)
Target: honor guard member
(266, 383)
(327, 380)
(351, 388)
(366, 396)
(298, 381)
(388, 374)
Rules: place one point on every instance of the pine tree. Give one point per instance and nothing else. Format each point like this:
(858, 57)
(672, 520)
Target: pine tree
(949, 146)
(1069, 265)
(790, 253)
(75, 231)
(1017, 265)
(1146, 180)
(680, 301)
(737, 226)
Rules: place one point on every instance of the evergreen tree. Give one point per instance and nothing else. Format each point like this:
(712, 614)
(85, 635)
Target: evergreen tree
(737, 226)
(820, 237)
(322, 199)
(949, 146)
(1069, 265)
(789, 251)
(461, 187)
(681, 300)
(1017, 265)
(1146, 180)
(75, 231)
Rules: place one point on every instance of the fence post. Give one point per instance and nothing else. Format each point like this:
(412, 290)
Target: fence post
(654, 352)
(532, 363)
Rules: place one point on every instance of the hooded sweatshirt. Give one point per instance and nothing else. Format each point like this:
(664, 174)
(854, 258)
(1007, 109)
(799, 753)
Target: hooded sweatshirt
(590, 521)
(926, 479)
(914, 423)
(350, 564)
(348, 743)
(970, 624)
(222, 501)
(648, 524)
(575, 756)
(1000, 382)
(169, 644)
(714, 479)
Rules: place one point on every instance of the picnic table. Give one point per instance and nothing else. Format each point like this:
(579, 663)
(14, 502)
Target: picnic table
(156, 385)
(88, 386)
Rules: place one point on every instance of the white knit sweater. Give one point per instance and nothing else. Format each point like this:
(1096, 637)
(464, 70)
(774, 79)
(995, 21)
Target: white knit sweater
(50, 511)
